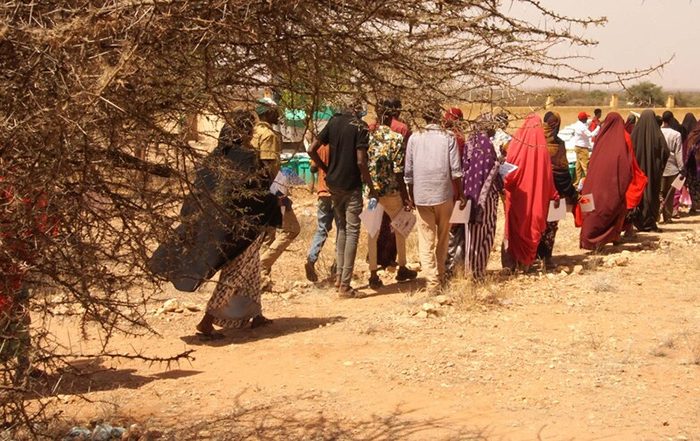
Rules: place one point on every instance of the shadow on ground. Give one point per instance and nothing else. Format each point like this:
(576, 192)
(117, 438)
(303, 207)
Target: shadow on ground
(276, 421)
(92, 376)
(278, 328)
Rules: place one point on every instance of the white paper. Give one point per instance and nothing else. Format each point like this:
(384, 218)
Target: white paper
(587, 203)
(372, 219)
(678, 183)
(403, 223)
(461, 216)
(280, 184)
(556, 214)
(506, 168)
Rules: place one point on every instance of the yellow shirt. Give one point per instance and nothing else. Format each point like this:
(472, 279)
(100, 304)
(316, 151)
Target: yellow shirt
(268, 144)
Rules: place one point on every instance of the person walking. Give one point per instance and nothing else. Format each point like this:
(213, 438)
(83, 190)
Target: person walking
(223, 222)
(652, 152)
(529, 189)
(433, 174)
(386, 166)
(674, 165)
(324, 216)
(386, 239)
(582, 140)
(481, 185)
(347, 138)
(615, 182)
(562, 182)
(692, 166)
(268, 144)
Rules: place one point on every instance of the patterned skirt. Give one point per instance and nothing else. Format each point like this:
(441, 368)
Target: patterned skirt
(481, 237)
(236, 298)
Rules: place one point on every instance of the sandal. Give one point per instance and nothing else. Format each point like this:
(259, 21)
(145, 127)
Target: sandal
(259, 320)
(210, 336)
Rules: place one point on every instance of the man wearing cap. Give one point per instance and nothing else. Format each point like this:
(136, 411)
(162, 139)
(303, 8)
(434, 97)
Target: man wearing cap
(268, 144)
(582, 139)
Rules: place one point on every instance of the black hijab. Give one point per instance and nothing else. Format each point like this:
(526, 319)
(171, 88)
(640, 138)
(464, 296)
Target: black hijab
(652, 152)
(688, 124)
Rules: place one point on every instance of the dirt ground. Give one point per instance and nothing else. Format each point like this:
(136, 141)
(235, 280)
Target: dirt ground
(611, 352)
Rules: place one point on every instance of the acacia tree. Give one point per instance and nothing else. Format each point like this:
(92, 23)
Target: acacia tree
(645, 94)
(86, 87)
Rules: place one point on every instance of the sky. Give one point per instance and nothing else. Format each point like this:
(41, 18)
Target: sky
(639, 34)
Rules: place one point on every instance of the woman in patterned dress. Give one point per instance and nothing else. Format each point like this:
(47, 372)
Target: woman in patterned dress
(222, 224)
(481, 185)
(235, 301)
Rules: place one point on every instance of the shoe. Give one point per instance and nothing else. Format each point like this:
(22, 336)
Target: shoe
(347, 292)
(310, 269)
(405, 274)
(374, 281)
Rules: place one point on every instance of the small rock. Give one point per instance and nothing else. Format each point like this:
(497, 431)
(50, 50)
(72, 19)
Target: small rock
(443, 300)
(550, 276)
(205, 434)
(171, 305)
(430, 308)
(422, 314)
(348, 363)
(192, 307)
(578, 269)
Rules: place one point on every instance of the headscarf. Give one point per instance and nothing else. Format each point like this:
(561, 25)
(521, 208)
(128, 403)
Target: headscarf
(689, 123)
(480, 167)
(652, 153)
(528, 191)
(631, 122)
(610, 174)
(555, 146)
(693, 144)
(452, 119)
(557, 156)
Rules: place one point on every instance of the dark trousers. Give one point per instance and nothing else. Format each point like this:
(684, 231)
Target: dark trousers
(347, 206)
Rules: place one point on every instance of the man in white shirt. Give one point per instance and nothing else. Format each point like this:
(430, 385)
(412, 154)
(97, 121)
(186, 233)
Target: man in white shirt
(674, 165)
(433, 173)
(582, 141)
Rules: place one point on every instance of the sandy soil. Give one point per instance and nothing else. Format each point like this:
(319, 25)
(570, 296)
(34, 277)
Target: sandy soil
(610, 353)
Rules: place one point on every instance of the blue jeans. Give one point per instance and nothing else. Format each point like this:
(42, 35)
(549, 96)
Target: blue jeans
(347, 206)
(325, 224)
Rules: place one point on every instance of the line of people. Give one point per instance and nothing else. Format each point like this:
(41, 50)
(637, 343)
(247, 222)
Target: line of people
(447, 162)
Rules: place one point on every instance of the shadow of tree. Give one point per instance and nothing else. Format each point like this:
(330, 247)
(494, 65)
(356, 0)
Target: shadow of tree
(285, 421)
(93, 376)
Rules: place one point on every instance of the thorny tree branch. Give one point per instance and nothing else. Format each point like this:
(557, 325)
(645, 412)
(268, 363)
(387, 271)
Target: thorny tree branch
(95, 96)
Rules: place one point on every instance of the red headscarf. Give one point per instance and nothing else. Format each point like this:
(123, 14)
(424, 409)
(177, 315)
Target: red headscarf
(452, 119)
(610, 174)
(528, 191)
